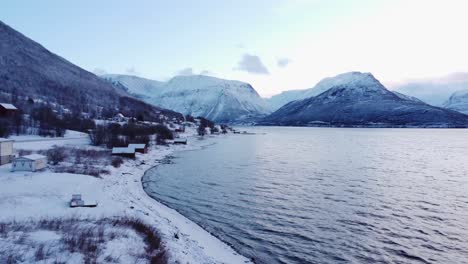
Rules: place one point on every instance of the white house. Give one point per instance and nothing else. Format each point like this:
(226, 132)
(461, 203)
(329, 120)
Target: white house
(31, 162)
(6, 150)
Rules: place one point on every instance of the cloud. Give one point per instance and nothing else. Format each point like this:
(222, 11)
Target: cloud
(99, 71)
(283, 62)
(131, 71)
(251, 64)
(186, 71)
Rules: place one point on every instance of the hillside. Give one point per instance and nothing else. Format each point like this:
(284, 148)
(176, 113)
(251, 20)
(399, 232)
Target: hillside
(458, 101)
(198, 95)
(28, 70)
(358, 99)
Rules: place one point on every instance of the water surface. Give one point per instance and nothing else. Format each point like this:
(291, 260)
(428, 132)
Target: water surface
(327, 195)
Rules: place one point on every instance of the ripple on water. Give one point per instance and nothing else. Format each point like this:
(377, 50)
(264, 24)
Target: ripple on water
(309, 195)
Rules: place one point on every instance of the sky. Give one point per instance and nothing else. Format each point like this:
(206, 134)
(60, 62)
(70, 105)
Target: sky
(275, 45)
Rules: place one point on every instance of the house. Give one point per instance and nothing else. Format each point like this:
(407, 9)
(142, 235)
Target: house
(119, 118)
(33, 162)
(7, 110)
(182, 141)
(141, 148)
(6, 150)
(124, 152)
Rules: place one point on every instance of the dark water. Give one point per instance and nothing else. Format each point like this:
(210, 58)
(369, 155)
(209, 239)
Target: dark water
(324, 195)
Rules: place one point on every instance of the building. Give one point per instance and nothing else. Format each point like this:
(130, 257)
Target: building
(124, 152)
(141, 148)
(33, 162)
(119, 118)
(6, 150)
(7, 110)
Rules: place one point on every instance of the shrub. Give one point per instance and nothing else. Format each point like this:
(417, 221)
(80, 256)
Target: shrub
(116, 162)
(56, 155)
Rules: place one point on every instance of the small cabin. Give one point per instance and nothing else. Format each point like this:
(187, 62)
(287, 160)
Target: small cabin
(124, 152)
(7, 110)
(141, 148)
(119, 118)
(182, 141)
(6, 151)
(33, 162)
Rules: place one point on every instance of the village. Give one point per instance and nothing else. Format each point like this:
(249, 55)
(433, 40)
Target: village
(51, 184)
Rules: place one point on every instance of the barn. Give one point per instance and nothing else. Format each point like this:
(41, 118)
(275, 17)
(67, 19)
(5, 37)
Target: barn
(31, 162)
(124, 152)
(141, 148)
(6, 150)
(7, 110)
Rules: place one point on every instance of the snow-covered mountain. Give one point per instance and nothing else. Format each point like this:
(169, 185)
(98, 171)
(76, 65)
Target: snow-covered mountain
(277, 101)
(358, 99)
(458, 101)
(137, 86)
(198, 95)
(434, 91)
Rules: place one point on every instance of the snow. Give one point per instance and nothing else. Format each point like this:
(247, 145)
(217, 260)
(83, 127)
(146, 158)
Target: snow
(34, 142)
(199, 95)
(136, 85)
(351, 80)
(458, 101)
(34, 157)
(8, 106)
(29, 195)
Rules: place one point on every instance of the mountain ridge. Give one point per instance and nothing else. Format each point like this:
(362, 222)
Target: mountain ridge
(359, 99)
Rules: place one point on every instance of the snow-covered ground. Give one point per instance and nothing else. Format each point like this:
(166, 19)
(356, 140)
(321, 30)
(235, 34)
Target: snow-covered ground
(34, 142)
(27, 195)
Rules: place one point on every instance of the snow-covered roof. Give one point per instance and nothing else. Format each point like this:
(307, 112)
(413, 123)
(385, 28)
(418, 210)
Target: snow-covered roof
(5, 140)
(8, 106)
(124, 150)
(119, 115)
(33, 157)
(137, 146)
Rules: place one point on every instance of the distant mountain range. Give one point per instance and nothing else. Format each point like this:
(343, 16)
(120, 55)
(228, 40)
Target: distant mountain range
(29, 70)
(198, 95)
(358, 99)
(434, 91)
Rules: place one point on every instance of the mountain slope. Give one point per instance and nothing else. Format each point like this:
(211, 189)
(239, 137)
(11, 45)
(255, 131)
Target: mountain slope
(198, 95)
(435, 91)
(458, 101)
(134, 85)
(358, 99)
(277, 101)
(27, 69)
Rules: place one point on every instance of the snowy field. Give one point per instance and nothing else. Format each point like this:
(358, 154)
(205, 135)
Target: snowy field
(26, 196)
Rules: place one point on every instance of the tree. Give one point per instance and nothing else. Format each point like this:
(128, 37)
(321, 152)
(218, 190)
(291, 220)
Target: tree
(201, 130)
(98, 136)
(56, 155)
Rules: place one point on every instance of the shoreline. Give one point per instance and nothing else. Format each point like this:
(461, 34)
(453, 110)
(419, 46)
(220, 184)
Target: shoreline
(33, 196)
(169, 157)
(194, 244)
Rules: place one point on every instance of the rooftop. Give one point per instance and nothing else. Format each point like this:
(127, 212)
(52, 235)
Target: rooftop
(32, 157)
(138, 146)
(126, 150)
(8, 106)
(5, 140)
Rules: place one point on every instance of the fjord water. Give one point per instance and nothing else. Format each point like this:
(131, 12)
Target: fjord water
(327, 195)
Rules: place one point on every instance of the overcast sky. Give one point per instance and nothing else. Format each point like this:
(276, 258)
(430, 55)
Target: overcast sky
(273, 44)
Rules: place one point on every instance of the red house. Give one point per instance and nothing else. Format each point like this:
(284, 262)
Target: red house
(7, 110)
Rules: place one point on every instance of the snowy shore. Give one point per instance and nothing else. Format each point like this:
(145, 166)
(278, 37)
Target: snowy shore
(30, 196)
